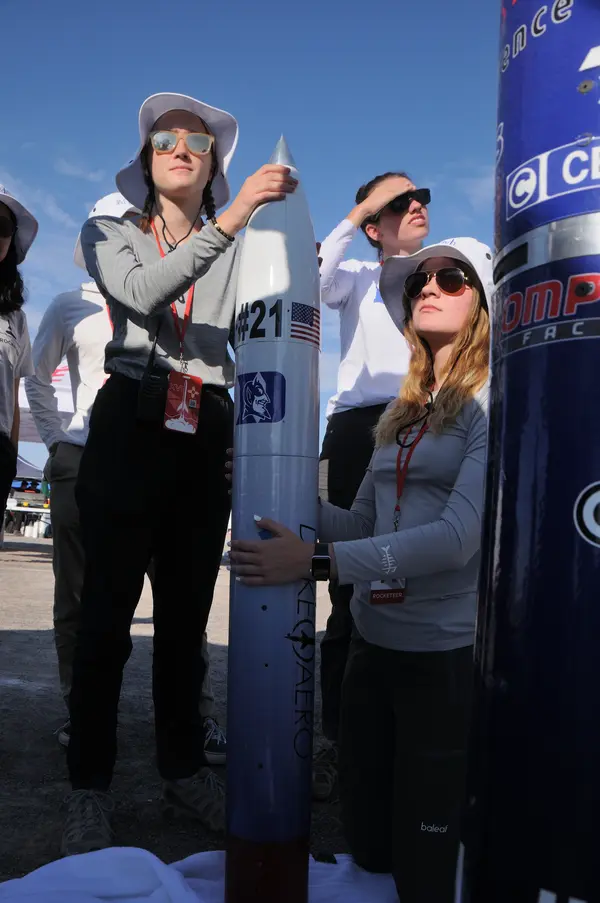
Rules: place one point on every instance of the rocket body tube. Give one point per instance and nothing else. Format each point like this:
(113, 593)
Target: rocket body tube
(272, 629)
(533, 795)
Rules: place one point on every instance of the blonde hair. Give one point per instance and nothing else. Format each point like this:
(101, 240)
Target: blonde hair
(465, 374)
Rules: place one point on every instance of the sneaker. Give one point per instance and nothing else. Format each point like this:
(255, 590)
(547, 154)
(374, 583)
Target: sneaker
(63, 734)
(215, 742)
(201, 797)
(325, 772)
(87, 827)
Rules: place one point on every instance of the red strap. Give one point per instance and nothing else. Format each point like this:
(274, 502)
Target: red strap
(402, 468)
(181, 330)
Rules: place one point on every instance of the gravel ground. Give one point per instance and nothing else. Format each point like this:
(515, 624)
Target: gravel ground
(32, 764)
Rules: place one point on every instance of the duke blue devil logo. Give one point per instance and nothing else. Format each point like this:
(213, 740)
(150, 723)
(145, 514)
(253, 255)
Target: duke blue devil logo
(262, 397)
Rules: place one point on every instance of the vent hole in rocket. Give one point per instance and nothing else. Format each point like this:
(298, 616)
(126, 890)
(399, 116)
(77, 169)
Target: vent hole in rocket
(583, 289)
(263, 607)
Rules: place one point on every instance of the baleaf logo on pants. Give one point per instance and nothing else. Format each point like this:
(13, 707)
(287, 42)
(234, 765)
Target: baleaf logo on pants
(434, 829)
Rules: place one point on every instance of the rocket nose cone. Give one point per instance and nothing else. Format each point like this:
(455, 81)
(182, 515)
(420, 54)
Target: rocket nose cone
(282, 154)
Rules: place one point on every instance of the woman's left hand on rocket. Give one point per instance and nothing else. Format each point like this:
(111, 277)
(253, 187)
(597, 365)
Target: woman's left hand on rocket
(285, 558)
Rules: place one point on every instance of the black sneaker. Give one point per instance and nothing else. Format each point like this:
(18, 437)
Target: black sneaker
(88, 824)
(215, 742)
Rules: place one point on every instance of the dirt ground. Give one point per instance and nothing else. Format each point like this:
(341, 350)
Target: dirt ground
(32, 764)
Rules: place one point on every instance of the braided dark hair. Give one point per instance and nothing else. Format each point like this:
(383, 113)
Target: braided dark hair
(208, 201)
(150, 197)
(12, 290)
(362, 194)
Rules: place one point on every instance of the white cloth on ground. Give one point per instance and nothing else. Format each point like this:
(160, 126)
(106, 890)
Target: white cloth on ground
(130, 875)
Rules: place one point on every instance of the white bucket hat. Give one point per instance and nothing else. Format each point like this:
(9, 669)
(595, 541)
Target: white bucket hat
(110, 205)
(395, 271)
(27, 225)
(130, 179)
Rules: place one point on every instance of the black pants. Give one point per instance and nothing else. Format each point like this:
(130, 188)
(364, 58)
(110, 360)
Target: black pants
(347, 449)
(401, 808)
(145, 493)
(8, 471)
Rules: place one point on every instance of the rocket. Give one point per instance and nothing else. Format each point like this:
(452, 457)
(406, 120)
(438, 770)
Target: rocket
(533, 787)
(271, 685)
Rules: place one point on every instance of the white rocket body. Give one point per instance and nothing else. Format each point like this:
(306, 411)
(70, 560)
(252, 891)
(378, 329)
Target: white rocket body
(271, 639)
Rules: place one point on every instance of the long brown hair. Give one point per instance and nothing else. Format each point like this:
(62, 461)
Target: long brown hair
(466, 372)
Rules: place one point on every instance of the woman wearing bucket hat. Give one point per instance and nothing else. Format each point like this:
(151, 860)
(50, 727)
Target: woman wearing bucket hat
(18, 229)
(162, 419)
(76, 326)
(392, 213)
(410, 545)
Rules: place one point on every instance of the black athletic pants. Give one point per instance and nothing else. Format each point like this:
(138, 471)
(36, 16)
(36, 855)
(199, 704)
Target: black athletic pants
(347, 449)
(8, 471)
(146, 493)
(402, 785)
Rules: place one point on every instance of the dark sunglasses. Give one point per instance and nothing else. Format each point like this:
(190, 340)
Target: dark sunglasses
(7, 227)
(451, 281)
(401, 204)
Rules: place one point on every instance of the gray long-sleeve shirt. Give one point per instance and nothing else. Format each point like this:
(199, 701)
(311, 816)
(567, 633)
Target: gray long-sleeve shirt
(436, 547)
(139, 287)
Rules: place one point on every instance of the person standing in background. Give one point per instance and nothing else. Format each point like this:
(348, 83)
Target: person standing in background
(77, 326)
(393, 215)
(18, 229)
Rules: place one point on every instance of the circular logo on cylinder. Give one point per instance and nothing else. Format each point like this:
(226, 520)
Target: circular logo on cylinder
(522, 187)
(586, 514)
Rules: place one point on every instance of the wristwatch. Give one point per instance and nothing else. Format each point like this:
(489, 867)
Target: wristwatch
(321, 562)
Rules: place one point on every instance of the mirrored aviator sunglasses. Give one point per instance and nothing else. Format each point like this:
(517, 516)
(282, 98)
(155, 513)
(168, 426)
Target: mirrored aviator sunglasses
(198, 143)
(7, 227)
(451, 281)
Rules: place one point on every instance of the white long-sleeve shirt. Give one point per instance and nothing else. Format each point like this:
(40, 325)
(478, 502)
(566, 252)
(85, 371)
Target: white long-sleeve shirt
(374, 355)
(76, 325)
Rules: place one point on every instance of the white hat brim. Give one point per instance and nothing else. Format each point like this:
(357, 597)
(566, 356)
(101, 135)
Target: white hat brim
(27, 225)
(130, 180)
(396, 270)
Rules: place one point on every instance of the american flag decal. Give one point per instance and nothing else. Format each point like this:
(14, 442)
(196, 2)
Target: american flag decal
(306, 323)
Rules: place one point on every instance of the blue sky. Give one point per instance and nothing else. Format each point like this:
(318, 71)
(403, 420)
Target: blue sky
(357, 88)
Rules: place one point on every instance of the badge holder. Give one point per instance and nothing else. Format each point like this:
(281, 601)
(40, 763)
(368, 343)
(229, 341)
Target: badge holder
(183, 402)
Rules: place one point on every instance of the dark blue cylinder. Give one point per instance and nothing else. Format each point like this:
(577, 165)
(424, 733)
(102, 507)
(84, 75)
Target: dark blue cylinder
(533, 800)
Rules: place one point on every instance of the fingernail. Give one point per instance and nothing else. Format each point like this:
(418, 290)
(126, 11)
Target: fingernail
(228, 542)
(238, 579)
(257, 517)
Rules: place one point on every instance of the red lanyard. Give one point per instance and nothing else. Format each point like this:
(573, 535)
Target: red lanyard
(181, 330)
(402, 469)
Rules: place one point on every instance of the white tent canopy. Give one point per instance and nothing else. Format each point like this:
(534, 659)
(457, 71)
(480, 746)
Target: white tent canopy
(64, 396)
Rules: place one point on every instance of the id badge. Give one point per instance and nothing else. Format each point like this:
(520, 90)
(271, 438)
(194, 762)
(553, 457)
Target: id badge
(183, 402)
(386, 593)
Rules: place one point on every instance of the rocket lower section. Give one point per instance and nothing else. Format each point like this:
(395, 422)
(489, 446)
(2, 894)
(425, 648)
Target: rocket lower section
(271, 697)
(533, 792)
(271, 664)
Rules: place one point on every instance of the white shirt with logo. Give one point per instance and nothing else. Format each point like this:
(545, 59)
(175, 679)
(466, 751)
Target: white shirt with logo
(374, 354)
(15, 363)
